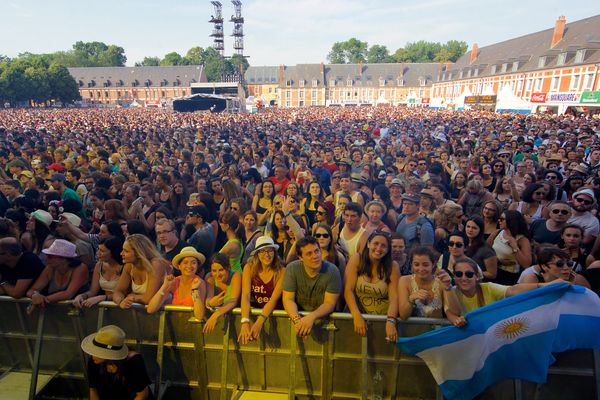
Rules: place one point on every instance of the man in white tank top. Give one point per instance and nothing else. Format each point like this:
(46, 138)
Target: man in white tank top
(352, 236)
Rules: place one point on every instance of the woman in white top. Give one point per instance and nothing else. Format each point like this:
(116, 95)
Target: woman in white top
(531, 206)
(106, 273)
(143, 273)
(512, 246)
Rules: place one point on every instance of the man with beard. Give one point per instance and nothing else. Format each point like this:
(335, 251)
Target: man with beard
(583, 202)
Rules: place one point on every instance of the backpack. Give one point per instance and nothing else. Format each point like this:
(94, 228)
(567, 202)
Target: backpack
(420, 221)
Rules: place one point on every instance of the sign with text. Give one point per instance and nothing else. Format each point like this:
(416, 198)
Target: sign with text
(562, 97)
(490, 99)
(538, 98)
(590, 97)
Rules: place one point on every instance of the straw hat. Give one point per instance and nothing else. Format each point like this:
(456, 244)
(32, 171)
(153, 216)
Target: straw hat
(108, 343)
(188, 251)
(264, 242)
(61, 248)
(72, 218)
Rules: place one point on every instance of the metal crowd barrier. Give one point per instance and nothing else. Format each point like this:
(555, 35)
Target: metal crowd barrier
(333, 363)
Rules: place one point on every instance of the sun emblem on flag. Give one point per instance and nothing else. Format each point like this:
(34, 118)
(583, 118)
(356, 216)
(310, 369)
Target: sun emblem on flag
(511, 328)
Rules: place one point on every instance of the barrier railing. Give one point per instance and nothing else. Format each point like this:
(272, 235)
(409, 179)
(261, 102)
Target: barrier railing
(332, 362)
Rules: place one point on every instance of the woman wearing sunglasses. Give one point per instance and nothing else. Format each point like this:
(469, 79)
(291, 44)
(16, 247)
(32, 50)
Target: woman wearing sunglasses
(512, 246)
(329, 252)
(548, 231)
(472, 294)
(553, 263)
(370, 284)
(457, 242)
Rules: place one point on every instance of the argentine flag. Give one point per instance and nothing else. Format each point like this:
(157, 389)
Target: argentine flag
(512, 338)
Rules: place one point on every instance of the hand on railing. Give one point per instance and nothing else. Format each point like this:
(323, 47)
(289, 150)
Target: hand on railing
(360, 325)
(127, 301)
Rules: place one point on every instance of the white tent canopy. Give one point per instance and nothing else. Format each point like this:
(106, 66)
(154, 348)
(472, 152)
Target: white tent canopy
(460, 100)
(507, 100)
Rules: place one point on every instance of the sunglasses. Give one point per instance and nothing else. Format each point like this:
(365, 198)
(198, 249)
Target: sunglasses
(562, 264)
(320, 212)
(468, 274)
(456, 244)
(503, 156)
(322, 235)
(584, 201)
(562, 212)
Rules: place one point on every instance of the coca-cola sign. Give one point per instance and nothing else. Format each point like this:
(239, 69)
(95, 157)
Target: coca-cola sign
(538, 98)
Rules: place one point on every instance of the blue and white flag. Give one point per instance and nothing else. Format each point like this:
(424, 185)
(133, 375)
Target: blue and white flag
(512, 338)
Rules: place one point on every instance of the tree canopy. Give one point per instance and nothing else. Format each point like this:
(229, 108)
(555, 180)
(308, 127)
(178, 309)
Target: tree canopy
(35, 78)
(354, 51)
(214, 64)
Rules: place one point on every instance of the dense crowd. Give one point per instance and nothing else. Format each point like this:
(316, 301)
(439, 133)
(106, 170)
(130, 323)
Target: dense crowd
(394, 211)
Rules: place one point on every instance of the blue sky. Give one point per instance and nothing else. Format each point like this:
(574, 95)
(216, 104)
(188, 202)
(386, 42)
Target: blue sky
(277, 31)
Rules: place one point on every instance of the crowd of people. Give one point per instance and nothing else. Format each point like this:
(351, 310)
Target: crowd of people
(369, 210)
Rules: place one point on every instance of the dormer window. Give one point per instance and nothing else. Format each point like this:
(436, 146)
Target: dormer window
(301, 82)
(422, 81)
(460, 74)
(288, 83)
(562, 58)
(349, 82)
(504, 67)
(580, 56)
(542, 62)
(493, 70)
(400, 82)
(315, 82)
(515, 66)
(476, 72)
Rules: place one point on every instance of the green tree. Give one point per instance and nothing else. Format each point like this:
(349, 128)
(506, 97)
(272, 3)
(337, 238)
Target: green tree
(351, 51)
(337, 55)
(62, 84)
(443, 55)
(236, 60)
(356, 51)
(422, 51)
(456, 49)
(400, 55)
(379, 54)
(149, 62)
(172, 58)
(195, 56)
(113, 56)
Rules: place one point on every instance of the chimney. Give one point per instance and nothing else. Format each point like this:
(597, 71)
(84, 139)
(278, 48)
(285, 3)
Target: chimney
(559, 31)
(360, 65)
(322, 69)
(281, 69)
(401, 72)
(474, 53)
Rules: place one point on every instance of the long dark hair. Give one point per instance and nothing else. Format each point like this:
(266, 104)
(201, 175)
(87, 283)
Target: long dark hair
(384, 270)
(515, 223)
(477, 241)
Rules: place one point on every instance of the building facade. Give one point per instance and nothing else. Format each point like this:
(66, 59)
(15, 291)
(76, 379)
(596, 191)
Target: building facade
(146, 86)
(550, 70)
(322, 84)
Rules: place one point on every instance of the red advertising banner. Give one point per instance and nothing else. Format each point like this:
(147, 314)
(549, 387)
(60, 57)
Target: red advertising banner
(425, 100)
(538, 98)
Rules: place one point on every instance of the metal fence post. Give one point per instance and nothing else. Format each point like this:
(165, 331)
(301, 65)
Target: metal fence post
(293, 355)
(160, 353)
(37, 354)
(225, 357)
(327, 362)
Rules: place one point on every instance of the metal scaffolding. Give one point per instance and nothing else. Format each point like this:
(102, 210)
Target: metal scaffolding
(238, 28)
(217, 33)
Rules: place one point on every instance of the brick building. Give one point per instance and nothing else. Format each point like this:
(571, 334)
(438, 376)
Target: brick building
(550, 70)
(343, 84)
(148, 86)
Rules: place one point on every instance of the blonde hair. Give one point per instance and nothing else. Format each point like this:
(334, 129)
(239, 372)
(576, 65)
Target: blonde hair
(445, 213)
(376, 203)
(144, 250)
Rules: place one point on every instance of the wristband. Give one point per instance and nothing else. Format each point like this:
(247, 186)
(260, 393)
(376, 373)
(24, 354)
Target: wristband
(391, 320)
(296, 319)
(245, 320)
